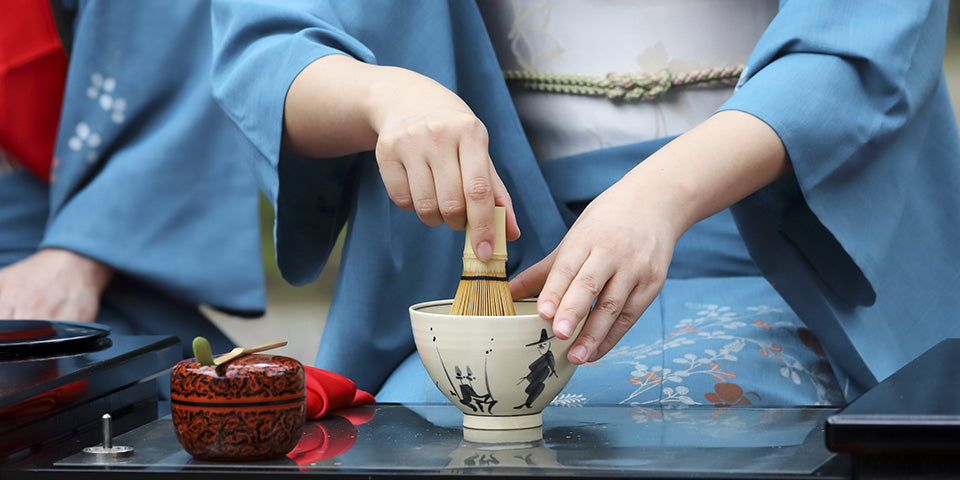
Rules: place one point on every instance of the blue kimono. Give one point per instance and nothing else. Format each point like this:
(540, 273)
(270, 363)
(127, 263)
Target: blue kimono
(857, 241)
(146, 178)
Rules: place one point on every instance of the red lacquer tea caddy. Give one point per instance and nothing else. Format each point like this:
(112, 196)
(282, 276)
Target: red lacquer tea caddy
(252, 408)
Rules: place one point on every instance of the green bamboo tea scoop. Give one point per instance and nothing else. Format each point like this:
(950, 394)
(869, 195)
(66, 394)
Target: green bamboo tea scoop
(240, 351)
(204, 356)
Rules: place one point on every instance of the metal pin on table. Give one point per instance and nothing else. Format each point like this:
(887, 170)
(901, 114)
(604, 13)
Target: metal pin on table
(108, 450)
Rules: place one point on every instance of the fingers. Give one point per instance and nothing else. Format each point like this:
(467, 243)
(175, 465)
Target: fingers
(529, 282)
(424, 193)
(21, 304)
(53, 284)
(450, 201)
(558, 289)
(418, 175)
(443, 171)
(476, 170)
(597, 286)
(619, 305)
(438, 196)
(82, 307)
(6, 305)
(394, 177)
(609, 321)
(601, 318)
(573, 288)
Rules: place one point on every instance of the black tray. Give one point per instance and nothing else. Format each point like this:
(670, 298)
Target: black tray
(915, 410)
(24, 339)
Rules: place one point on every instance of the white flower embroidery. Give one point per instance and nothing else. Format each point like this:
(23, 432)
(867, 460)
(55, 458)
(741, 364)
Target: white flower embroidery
(96, 83)
(87, 134)
(85, 137)
(569, 400)
(119, 105)
(101, 89)
(678, 394)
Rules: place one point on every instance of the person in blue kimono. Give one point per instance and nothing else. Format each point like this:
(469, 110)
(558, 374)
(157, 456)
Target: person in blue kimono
(144, 218)
(836, 155)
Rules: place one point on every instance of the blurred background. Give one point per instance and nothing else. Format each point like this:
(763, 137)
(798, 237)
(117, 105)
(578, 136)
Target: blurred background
(297, 314)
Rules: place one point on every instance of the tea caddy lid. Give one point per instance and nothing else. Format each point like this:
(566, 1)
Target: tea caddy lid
(251, 376)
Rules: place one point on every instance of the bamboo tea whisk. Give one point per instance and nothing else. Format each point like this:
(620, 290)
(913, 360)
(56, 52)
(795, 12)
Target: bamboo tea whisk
(483, 288)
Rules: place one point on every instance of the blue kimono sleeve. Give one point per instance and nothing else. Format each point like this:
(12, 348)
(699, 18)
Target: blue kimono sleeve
(146, 179)
(840, 83)
(261, 46)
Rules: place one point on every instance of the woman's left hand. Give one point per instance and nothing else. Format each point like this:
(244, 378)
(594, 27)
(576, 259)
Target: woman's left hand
(617, 254)
(613, 262)
(53, 284)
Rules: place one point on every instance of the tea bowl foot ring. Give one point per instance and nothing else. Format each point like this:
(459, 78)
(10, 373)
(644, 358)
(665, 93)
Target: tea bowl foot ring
(512, 422)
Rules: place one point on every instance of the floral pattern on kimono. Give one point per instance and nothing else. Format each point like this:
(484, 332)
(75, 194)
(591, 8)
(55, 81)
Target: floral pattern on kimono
(719, 355)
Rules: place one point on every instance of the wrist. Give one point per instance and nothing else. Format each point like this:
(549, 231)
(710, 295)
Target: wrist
(327, 108)
(97, 274)
(393, 96)
(385, 87)
(668, 200)
(718, 163)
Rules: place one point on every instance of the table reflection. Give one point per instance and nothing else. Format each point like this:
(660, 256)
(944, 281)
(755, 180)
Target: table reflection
(591, 440)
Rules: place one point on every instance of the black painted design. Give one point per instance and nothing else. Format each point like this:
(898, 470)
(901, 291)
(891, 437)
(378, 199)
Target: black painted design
(464, 389)
(540, 370)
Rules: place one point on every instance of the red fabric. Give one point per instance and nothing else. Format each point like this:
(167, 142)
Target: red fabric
(328, 392)
(330, 437)
(336, 406)
(33, 72)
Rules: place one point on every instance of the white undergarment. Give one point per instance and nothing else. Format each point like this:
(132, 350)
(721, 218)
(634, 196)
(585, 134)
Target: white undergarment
(601, 36)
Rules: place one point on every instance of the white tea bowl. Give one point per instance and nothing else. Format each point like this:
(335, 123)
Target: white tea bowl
(500, 371)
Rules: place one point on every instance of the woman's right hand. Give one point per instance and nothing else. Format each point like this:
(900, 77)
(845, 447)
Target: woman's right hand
(432, 151)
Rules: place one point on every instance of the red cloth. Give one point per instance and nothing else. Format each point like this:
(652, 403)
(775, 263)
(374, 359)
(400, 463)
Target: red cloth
(331, 399)
(33, 72)
(330, 437)
(328, 392)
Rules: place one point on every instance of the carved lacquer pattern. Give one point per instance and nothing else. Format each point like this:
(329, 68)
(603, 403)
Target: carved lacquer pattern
(250, 409)
(238, 434)
(251, 378)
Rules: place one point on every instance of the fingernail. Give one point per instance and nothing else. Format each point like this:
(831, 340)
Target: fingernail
(579, 354)
(564, 328)
(484, 251)
(547, 309)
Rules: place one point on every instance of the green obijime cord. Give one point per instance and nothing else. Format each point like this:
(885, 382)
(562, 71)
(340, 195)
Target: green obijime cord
(624, 87)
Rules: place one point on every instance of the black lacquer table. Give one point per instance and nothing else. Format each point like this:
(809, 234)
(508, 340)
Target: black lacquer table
(875, 437)
(908, 426)
(416, 441)
(52, 401)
